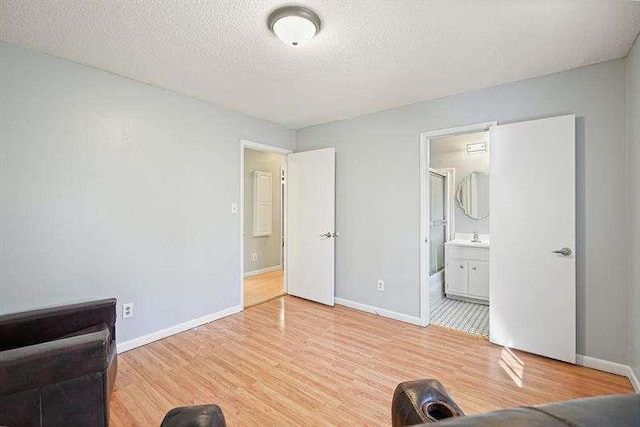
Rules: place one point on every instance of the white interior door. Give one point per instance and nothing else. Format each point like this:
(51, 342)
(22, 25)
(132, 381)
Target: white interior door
(533, 287)
(311, 225)
(262, 203)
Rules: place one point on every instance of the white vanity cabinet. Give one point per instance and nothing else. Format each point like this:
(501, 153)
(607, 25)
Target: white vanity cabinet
(466, 273)
(479, 279)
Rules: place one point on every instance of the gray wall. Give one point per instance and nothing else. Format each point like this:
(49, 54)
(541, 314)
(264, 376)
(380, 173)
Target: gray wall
(377, 211)
(464, 164)
(267, 248)
(111, 187)
(633, 135)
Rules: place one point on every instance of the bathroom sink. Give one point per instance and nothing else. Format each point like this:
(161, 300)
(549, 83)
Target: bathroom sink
(467, 243)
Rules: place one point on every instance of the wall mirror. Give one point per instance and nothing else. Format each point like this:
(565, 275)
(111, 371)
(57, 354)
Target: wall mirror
(473, 195)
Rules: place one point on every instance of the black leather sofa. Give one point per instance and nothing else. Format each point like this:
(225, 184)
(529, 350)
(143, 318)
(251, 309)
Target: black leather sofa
(426, 402)
(58, 365)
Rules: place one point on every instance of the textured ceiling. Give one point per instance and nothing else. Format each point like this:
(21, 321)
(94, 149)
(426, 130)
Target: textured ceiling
(369, 55)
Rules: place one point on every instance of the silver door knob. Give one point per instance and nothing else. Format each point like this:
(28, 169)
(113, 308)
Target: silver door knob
(329, 234)
(564, 252)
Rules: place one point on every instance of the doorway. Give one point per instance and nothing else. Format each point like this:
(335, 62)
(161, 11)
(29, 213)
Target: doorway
(307, 259)
(459, 178)
(263, 208)
(529, 282)
(454, 234)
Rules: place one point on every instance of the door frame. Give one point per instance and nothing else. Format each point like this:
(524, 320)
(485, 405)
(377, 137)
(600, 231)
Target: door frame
(252, 145)
(425, 142)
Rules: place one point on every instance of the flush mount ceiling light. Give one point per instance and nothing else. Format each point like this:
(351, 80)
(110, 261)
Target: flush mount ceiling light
(294, 25)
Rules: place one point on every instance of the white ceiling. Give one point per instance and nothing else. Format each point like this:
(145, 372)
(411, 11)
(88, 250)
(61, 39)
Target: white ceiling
(369, 56)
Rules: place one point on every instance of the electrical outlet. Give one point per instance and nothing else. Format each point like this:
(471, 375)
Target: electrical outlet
(127, 310)
(254, 257)
(381, 285)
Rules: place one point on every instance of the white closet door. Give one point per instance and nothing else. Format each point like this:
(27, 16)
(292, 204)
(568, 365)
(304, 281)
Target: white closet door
(262, 203)
(311, 225)
(533, 271)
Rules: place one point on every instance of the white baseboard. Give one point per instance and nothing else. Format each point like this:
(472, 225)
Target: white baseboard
(263, 270)
(379, 311)
(634, 381)
(172, 330)
(602, 365)
(611, 367)
(587, 361)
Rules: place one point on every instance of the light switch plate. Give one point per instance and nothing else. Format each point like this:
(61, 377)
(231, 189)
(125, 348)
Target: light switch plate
(234, 208)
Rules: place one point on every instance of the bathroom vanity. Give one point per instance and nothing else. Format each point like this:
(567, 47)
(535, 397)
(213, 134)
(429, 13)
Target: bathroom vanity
(467, 269)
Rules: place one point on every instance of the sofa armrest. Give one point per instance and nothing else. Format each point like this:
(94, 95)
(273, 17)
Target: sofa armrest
(52, 362)
(422, 401)
(39, 326)
(194, 416)
(615, 410)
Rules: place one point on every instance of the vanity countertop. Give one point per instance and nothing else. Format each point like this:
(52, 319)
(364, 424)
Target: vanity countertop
(468, 243)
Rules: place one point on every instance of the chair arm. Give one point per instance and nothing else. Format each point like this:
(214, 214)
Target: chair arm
(52, 362)
(48, 324)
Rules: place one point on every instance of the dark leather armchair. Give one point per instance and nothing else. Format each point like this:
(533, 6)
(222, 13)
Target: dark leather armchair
(58, 365)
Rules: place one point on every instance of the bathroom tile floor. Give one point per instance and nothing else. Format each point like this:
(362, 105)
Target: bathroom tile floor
(461, 315)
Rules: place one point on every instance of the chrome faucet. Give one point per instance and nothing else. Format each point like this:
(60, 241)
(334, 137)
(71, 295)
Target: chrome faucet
(476, 236)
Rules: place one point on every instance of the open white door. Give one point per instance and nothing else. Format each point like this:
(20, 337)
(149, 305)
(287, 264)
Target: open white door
(311, 225)
(533, 271)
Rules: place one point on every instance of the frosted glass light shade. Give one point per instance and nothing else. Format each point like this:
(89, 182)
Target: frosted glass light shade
(294, 30)
(294, 25)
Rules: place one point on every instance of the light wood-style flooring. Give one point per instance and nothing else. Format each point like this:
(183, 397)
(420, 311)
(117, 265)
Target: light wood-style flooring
(263, 287)
(293, 362)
